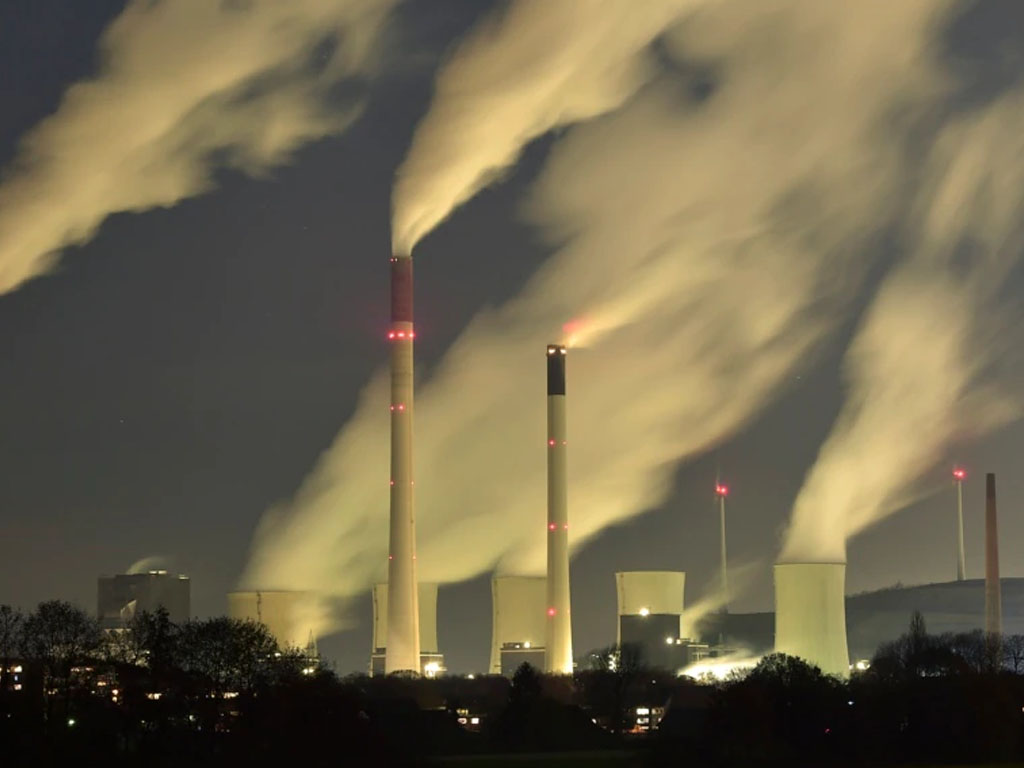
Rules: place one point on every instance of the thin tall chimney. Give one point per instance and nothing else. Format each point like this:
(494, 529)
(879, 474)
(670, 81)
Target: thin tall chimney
(993, 602)
(403, 638)
(558, 645)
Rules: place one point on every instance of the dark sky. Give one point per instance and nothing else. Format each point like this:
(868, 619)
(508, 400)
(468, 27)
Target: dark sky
(184, 369)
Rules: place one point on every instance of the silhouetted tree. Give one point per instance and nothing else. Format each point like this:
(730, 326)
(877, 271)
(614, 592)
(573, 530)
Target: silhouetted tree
(526, 686)
(56, 638)
(1013, 652)
(610, 684)
(228, 654)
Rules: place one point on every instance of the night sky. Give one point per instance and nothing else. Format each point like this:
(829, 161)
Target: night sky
(183, 370)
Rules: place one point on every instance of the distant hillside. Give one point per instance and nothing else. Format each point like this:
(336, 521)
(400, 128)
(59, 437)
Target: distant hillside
(876, 617)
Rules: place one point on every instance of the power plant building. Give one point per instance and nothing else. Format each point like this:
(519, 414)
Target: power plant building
(518, 623)
(650, 618)
(122, 597)
(431, 659)
(288, 615)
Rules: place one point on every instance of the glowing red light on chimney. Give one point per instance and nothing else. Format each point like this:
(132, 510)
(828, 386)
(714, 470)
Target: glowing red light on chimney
(551, 442)
(722, 490)
(391, 335)
(551, 526)
(959, 474)
(551, 611)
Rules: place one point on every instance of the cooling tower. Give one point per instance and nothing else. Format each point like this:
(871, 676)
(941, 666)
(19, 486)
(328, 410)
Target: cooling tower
(558, 638)
(651, 616)
(289, 615)
(403, 641)
(652, 598)
(810, 614)
(427, 606)
(518, 626)
(993, 598)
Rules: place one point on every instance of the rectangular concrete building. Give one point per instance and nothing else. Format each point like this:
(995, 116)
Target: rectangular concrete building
(122, 597)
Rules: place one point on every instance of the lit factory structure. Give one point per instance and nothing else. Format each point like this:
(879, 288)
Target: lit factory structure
(810, 614)
(518, 626)
(120, 598)
(286, 614)
(431, 661)
(650, 617)
(403, 632)
(558, 638)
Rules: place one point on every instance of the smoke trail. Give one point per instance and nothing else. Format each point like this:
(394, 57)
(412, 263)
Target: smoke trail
(148, 563)
(538, 66)
(185, 87)
(927, 366)
(709, 243)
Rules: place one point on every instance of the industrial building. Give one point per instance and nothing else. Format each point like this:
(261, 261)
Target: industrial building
(288, 615)
(518, 623)
(650, 618)
(431, 659)
(125, 595)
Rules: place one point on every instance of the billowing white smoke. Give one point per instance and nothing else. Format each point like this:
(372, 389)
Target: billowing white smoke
(537, 66)
(707, 246)
(927, 366)
(184, 87)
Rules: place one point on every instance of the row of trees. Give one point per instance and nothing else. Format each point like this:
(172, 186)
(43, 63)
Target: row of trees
(168, 692)
(63, 646)
(221, 691)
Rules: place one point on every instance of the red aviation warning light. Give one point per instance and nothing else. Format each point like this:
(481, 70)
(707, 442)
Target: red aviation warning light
(721, 489)
(959, 473)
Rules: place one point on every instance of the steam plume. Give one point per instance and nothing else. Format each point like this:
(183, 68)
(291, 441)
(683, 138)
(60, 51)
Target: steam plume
(184, 87)
(148, 563)
(538, 66)
(707, 246)
(927, 366)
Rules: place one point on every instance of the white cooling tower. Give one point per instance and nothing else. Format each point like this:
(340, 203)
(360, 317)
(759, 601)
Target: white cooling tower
(289, 615)
(427, 606)
(519, 616)
(810, 614)
(654, 596)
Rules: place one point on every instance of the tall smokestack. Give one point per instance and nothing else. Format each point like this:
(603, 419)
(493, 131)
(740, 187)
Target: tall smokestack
(558, 645)
(993, 601)
(403, 636)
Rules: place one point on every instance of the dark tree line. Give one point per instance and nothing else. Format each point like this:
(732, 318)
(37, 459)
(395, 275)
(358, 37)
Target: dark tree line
(934, 699)
(221, 692)
(158, 693)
